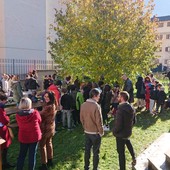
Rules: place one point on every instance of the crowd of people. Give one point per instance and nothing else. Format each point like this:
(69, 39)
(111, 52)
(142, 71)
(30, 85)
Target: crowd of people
(72, 104)
(151, 95)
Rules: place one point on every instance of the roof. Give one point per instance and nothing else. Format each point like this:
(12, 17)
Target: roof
(164, 18)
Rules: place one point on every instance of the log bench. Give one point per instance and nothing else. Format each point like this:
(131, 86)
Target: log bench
(14, 109)
(11, 110)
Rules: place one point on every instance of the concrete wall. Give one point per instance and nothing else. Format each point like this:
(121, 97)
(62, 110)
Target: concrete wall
(41, 75)
(2, 30)
(51, 5)
(25, 28)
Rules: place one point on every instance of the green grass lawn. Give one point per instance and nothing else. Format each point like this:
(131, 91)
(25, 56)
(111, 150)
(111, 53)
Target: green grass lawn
(69, 146)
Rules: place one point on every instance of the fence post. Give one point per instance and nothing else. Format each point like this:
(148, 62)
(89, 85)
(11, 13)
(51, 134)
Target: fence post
(52, 64)
(13, 65)
(34, 64)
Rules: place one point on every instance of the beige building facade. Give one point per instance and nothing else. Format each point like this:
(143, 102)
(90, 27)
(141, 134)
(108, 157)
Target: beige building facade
(163, 37)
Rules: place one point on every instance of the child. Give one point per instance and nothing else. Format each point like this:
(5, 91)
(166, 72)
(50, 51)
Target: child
(147, 83)
(161, 96)
(152, 98)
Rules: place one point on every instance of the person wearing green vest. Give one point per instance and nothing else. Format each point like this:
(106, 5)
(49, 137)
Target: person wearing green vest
(79, 102)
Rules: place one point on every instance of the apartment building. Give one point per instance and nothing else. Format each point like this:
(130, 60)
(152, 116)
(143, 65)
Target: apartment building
(163, 37)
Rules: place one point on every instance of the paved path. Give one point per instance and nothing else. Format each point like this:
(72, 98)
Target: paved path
(158, 147)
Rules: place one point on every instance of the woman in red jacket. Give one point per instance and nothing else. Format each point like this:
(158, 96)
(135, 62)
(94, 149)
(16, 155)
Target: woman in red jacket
(48, 129)
(29, 133)
(4, 132)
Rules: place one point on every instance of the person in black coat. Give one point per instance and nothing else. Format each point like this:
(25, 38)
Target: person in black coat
(32, 83)
(66, 103)
(128, 86)
(161, 96)
(86, 90)
(46, 82)
(106, 103)
(140, 94)
(125, 119)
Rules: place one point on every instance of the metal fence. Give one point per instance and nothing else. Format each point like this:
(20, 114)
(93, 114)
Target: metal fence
(22, 66)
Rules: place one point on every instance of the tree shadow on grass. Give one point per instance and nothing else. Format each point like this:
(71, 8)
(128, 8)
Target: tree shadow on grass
(68, 149)
(165, 115)
(145, 119)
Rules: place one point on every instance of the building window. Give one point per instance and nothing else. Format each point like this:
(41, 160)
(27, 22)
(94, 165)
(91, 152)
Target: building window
(168, 24)
(168, 36)
(161, 24)
(159, 37)
(167, 49)
(157, 60)
(165, 61)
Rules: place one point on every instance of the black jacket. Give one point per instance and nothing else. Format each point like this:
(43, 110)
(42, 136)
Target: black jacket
(32, 84)
(125, 118)
(128, 86)
(161, 96)
(140, 86)
(153, 94)
(66, 102)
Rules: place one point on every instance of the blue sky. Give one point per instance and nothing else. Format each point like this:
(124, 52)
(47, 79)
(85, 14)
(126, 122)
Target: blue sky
(162, 7)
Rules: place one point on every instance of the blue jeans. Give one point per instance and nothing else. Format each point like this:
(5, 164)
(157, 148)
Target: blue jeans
(67, 114)
(32, 147)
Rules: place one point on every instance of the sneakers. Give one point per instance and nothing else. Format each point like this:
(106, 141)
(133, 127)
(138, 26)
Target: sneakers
(155, 112)
(151, 113)
(106, 128)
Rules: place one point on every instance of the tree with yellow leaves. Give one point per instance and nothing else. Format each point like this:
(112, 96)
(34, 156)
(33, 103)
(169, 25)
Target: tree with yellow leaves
(104, 37)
